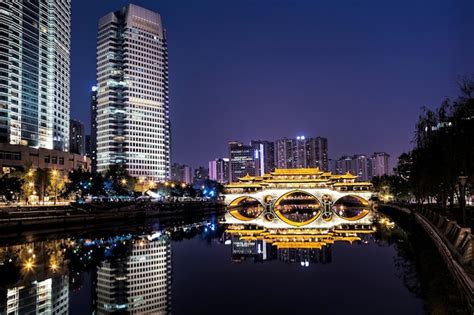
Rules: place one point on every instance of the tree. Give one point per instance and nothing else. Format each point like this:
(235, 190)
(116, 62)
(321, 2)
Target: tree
(57, 183)
(118, 182)
(82, 182)
(28, 182)
(444, 150)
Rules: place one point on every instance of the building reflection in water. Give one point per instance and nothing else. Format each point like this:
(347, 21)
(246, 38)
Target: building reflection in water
(34, 279)
(137, 280)
(292, 245)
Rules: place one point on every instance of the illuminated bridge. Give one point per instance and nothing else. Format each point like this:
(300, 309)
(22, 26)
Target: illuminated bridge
(299, 197)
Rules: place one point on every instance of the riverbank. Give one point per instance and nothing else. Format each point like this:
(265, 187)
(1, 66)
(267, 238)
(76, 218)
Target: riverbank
(25, 218)
(439, 287)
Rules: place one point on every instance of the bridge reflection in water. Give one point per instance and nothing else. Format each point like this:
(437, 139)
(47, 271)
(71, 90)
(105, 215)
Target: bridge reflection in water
(303, 245)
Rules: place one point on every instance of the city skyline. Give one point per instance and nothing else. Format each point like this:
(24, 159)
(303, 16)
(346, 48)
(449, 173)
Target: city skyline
(317, 68)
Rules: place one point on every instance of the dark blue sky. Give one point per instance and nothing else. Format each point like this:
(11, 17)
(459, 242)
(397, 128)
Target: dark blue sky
(356, 72)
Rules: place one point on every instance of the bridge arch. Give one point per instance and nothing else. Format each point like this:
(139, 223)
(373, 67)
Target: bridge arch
(351, 207)
(299, 210)
(245, 208)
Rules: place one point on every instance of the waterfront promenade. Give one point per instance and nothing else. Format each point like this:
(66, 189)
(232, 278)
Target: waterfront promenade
(454, 244)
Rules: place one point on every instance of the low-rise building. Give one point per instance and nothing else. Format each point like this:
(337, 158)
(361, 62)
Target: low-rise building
(19, 156)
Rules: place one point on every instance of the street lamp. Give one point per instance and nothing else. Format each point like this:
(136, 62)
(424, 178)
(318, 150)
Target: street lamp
(462, 197)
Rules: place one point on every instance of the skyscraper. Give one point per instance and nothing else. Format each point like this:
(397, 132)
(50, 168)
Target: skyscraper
(241, 160)
(219, 170)
(76, 137)
(284, 157)
(318, 153)
(302, 152)
(181, 173)
(379, 163)
(264, 156)
(34, 73)
(133, 127)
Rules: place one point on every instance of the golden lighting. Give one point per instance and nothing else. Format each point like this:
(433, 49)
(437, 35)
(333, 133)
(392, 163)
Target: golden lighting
(28, 265)
(54, 267)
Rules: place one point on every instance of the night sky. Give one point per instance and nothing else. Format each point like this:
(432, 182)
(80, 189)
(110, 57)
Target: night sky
(356, 72)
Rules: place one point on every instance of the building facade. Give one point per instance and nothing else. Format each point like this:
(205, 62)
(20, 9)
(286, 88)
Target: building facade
(201, 173)
(380, 161)
(302, 152)
(132, 108)
(181, 173)
(219, 170)
(264, 156)
(76, 137)
(34, 73)
(20, 156)
(284, 157)
(93, 122)
(241, 161)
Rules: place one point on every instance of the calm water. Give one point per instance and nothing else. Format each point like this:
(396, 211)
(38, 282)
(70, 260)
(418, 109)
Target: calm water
(209, 268)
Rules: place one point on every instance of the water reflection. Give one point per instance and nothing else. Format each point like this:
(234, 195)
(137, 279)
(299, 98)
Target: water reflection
(292, 245)
(34, 279)
(131, 273)
(137, 278)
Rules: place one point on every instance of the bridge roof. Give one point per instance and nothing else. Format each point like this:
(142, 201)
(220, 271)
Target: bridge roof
(296, 171)
(353, 184)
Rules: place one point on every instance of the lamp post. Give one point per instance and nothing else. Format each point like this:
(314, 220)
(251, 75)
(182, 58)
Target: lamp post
(462, 197)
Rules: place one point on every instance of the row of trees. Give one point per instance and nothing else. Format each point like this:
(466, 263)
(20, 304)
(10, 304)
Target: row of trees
(30, 183)
(40, 185)
(440, 167)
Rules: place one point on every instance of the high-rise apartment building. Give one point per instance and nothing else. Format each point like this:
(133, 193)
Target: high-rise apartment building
(379, 163)
(34, 73)
(360, 165)
(219, 170)
(76, 137)
(132, 109)
(264, 156)
(302, 152)
(201, 173)
(181, 173)
(241, 160)
(363, 166)
(284, 157)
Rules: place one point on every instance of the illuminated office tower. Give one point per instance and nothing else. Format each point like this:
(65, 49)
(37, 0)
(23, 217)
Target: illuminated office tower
(219, 170)
(138, 281)
(241, 160)
(132, 114)
(34, 73)
(264, 155)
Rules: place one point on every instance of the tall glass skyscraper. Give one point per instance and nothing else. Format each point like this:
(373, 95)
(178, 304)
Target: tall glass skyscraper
(34, 73)
(132, 119)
